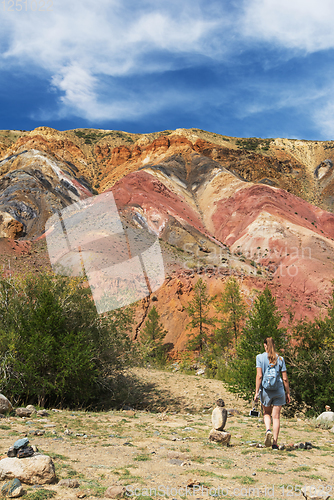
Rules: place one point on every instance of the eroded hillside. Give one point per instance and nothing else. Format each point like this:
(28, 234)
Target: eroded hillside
(257, 209)
(304, 168)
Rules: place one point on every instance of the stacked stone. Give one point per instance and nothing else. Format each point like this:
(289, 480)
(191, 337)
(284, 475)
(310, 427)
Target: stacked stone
(218, 418)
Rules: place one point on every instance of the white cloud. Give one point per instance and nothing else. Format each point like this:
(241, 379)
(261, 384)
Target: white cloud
(107, 34)
(77, 84)
(85, 45)
(305, 25)
(81, 98)
(81, 42)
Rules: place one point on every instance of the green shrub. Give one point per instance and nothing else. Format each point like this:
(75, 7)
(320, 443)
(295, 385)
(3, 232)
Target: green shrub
(253, 144)
(54, 347)
(311, 364)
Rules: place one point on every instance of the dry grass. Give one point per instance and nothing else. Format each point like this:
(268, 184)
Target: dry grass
(165, 443)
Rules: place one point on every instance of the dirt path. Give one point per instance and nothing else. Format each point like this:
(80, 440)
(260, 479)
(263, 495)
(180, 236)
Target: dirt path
(169, 449)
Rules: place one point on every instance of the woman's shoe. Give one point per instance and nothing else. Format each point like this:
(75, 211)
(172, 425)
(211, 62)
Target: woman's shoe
(269, 438)
(274, 447)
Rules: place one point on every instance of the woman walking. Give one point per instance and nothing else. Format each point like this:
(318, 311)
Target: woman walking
(272, 399)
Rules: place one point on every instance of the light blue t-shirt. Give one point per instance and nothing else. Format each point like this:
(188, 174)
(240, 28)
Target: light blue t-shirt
(262, 362)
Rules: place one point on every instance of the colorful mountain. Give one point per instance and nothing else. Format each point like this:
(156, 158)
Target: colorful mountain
(260, 210)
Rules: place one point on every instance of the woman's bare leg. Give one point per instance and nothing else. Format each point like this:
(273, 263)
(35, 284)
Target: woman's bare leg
(276, 413)
(267, 422)
(267, 416)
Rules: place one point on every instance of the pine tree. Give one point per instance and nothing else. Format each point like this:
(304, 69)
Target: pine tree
(217, 353)
(233, 306)
(151, 339)
(198, 310)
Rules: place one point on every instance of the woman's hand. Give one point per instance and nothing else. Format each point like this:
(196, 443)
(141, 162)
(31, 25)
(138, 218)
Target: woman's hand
(286, 387)
(258, 383)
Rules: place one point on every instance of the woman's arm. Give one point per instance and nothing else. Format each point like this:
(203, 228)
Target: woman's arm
(286, 386)
(258, 383)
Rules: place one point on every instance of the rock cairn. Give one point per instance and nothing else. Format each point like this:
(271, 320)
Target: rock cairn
(25, 464)
(218, 418)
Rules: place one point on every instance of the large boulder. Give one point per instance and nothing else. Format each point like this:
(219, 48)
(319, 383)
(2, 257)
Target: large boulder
(5, 405)
(326, 417)
(37, 469)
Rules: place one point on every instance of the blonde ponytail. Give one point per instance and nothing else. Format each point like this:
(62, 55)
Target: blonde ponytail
(272, 355)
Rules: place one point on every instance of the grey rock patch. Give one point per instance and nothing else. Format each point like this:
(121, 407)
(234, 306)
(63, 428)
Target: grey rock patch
(12, 489)
(176, 461)
(20, 443)
(176, 454)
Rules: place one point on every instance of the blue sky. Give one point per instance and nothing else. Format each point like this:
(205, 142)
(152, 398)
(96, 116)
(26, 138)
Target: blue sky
(253, 68)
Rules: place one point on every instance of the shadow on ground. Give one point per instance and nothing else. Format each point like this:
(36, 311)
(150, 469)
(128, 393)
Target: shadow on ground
(129, 392)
